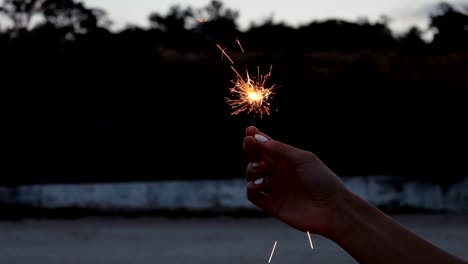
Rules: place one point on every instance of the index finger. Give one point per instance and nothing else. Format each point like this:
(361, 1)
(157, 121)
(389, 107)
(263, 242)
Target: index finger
(251, 149)
(252, 131)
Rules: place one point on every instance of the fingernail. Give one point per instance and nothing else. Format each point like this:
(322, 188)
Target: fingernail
(258, 181)
(255, 165)
(260, 138)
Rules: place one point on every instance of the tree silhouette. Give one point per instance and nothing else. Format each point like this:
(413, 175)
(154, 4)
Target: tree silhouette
(174, 21)
(450, 25)
(220, 22)
(344, 35)
(21, 12)
(171, 28)
(68, 16)
(412, 38)
(265, 36)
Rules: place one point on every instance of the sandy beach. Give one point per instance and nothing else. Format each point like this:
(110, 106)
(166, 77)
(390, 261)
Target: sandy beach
(195, 240)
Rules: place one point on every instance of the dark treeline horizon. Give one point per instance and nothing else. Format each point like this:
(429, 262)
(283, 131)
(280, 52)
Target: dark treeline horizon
(84, 103)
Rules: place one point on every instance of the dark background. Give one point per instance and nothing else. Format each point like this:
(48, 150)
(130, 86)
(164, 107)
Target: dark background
(82, 103)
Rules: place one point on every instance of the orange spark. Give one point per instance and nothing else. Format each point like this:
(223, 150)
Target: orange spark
(240, 45)
(224, 53)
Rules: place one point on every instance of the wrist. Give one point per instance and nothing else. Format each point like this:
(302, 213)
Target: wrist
(343, 218)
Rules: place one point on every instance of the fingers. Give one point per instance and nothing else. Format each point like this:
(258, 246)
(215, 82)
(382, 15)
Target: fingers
(256, 193)
(251, 149)
(256, 170)
(272, 148)
(258, 180)
(252, 131)
(266, 145)
(250, 144)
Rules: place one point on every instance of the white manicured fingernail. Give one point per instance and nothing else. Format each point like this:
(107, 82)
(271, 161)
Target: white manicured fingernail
(261, 138)
(258, 181)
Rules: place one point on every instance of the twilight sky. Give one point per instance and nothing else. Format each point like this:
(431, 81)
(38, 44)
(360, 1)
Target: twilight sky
(403, 13)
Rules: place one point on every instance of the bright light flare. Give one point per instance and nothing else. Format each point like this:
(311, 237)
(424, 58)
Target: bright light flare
(272, 251)
(254, 96)
(248, 94)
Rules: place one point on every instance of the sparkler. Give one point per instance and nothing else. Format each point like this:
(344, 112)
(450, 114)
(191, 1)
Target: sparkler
(272, 251)
(250, 94)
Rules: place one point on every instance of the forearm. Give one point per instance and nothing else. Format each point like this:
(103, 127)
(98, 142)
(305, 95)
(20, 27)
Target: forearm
(370, 236)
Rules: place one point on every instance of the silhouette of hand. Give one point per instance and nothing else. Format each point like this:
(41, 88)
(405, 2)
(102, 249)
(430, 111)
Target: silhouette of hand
(289, 183)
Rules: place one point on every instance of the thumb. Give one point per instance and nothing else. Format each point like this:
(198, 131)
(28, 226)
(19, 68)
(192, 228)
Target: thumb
(275, 148)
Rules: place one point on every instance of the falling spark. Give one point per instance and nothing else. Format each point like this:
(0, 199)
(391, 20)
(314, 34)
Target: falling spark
(240, 45)
(224, 53)
(310, 240)
(272, 251)
(249, 94)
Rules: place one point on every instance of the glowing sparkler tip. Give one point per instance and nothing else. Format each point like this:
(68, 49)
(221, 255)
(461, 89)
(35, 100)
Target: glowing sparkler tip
(254, 96)
(248, 94)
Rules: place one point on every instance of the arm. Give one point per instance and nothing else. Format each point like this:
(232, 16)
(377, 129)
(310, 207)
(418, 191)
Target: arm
(297, 188)
(370, 236)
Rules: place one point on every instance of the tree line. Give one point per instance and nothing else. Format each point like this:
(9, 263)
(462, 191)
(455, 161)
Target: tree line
(188, 27)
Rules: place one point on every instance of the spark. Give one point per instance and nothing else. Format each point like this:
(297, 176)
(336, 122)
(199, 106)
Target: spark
(310, 240)
(240, 45)
(272, 251)
(249, 94)
(224, 53)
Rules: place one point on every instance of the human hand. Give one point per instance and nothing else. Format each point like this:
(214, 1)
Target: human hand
(291, 184)
(296, 187)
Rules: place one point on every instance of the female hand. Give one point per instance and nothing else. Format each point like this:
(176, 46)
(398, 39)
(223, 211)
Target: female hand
(289, 183)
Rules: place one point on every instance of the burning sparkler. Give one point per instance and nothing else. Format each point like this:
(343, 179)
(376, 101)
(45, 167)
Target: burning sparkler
(249, 94)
